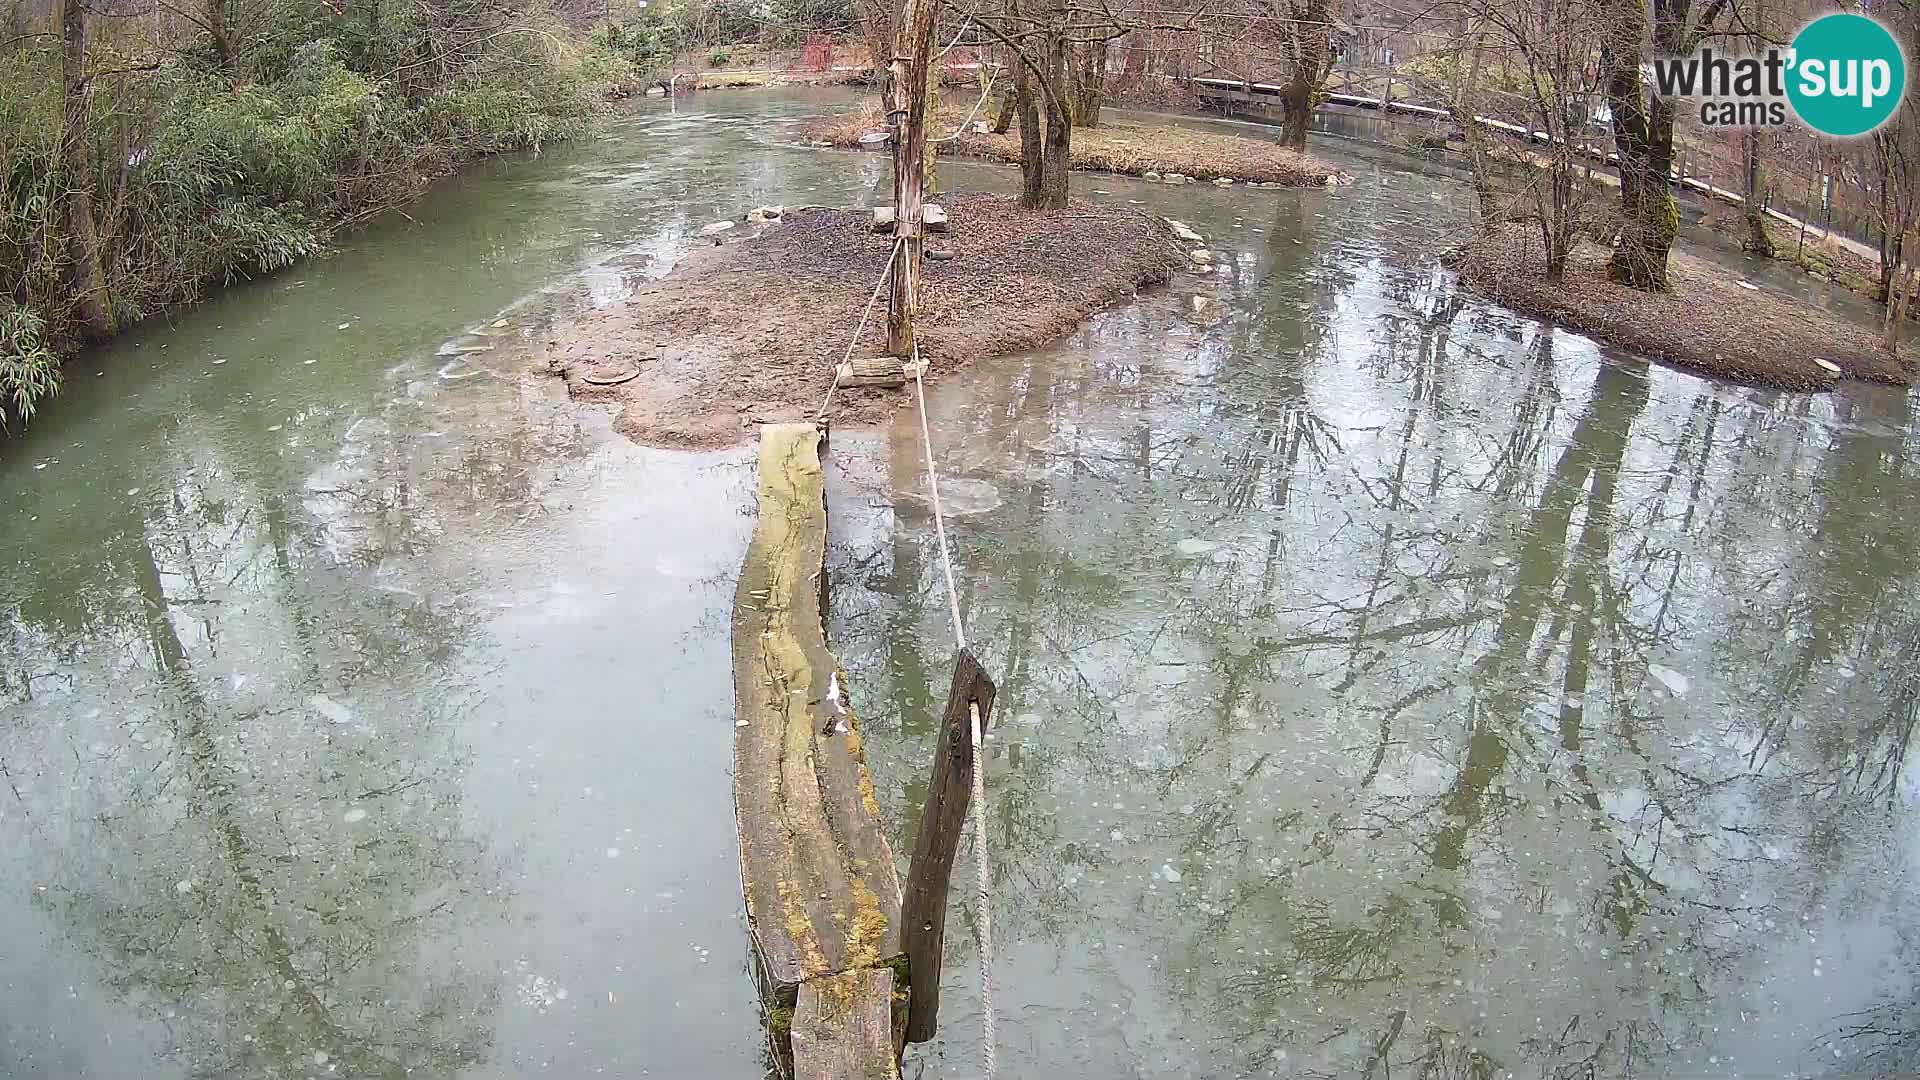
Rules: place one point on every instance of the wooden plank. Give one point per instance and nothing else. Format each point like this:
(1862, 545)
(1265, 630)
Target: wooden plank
(843, 1027)
(884, 371)
(924, 909)
(821, 891)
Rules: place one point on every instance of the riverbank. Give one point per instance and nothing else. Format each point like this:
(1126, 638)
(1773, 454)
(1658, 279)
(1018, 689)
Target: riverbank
(245, 166)
(750, 331)
(1709, 322)
(1119, 145)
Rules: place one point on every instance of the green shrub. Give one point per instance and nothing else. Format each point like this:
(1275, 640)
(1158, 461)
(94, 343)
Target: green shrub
(717, 58)
(29, 368)
(646, 44)
(796, 18)
(207, 170)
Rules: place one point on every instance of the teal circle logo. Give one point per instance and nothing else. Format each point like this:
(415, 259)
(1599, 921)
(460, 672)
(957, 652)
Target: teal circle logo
(1848, 75)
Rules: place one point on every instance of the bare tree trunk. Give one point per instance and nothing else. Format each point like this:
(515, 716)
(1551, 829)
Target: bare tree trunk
(907, 116)
(1892, 228)
(1897, 299)
(1090, 83)
(1465, 111)
(1032, 149)
(1643, 136)
(1058, 160)
(1000, 112)
(930, 149)
(1312, 45)
(217, 28)
(1757, 241)
(93, 309)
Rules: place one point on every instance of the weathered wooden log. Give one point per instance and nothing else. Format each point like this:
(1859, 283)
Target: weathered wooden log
(843, 1027)
(822, 895)
(924, 908)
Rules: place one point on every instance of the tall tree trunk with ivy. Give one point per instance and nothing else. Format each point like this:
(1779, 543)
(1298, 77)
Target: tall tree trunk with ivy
(1055, 90)
(1643, 130)
(1310, 45)
(93, 309)
(1643, 139)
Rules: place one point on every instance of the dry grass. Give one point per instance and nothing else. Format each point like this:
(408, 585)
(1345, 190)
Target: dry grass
(1706, 323)
(1122, 146)
(729, 79)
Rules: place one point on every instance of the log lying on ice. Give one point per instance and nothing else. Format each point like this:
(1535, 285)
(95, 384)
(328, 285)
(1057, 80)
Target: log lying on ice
(823, 899)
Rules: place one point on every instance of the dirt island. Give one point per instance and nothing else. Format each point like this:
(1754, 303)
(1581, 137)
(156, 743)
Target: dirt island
(749, 330)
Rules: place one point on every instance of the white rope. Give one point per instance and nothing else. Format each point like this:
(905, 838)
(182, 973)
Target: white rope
(964, 25)
(964, 124)
(983, 881)
(933, 495)
(983, 896)
(859, 329)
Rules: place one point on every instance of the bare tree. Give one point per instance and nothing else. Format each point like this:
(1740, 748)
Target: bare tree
(1308, 48)
(1547, 49)
(1643, 126)
(876, 27)
(92, 304)
(1057, 49)
(1893, 159)
(1755, 195)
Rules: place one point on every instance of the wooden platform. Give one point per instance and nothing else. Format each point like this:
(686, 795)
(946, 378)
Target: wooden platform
(823, 899)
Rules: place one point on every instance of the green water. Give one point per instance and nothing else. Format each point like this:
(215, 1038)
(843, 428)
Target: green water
(364, 705)
(1390, 687)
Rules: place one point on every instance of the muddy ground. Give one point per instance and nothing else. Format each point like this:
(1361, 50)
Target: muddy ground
(751, 330)
(1708, 322)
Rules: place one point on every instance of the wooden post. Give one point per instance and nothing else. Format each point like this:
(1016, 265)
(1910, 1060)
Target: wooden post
(907, 115)
(923, 911)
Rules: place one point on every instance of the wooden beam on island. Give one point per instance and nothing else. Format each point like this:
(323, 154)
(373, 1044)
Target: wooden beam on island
(822, 895)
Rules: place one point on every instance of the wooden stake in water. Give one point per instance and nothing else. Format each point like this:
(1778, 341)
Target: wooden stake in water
(923, 910)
